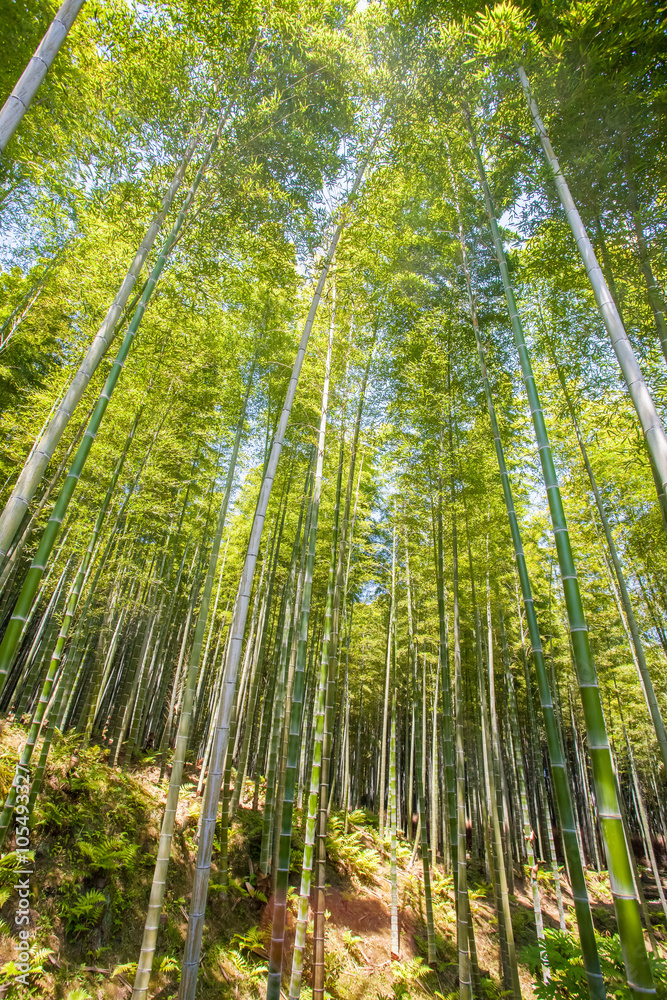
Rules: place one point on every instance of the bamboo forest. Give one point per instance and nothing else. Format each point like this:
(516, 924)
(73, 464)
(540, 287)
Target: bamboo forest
(333, 499)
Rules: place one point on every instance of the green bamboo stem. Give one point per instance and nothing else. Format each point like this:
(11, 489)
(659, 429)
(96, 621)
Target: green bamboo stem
(311, 821)
(249, 677)
(496, 759)
(268, 699)
(165, 742)
(149, 940)
(286, 721)
(258, 669)
(25, 600)
(421, 832)
(637, 644)
(541, 804)
(64, 683)
(277, 724)
(448, 741)
(170, 633)
(463, 921)
(412, 667)
(508, 954)
(309, 700)
(528, 832)
(320, 860)
(13, 560)
(32, 666)
(653, 430)
(23, 766)
(280, 899)
(43, 450)
(200, 887)
(54, 665)
(395, 946)
(646, 917)
(655, 298)
(639, 973)
(223, 862)
(387, 685)
(19, 100)
(643, 816)
(108, 666)
(434, 772)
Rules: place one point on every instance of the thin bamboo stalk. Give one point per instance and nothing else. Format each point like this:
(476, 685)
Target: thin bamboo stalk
(149, 940)
(211, 797)
(654, 432)
(280, 901)
(626, 905)
(28, 84)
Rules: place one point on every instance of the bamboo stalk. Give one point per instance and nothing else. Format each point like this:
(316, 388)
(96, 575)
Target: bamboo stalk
(639, 974)
(28, 84)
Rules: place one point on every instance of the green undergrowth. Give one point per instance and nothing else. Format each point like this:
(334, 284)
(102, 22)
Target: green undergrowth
(94, 837)
(567, 975)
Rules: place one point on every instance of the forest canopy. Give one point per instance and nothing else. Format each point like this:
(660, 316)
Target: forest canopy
(333, 498)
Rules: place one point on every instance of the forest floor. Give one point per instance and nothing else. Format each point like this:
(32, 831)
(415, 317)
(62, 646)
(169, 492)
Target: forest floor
(94, 837)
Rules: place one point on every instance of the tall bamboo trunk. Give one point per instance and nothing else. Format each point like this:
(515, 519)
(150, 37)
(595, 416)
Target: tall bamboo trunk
(387, 688)
(637, 644)
(158, 887)
(528, 833)
(640, 979)
(394, 954)
(462, 903)
(26, 597)
(328, 650)
(654, 432)
(19, 100)
(42, 453)
(211, 796)
(280, 901)
(655, 298)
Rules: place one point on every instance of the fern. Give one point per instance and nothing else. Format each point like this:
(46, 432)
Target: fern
(65, 746)
(250, 973)
(110, 854)
(79, 993)
(252, 940)
(10, 864)
(128, 969)
(53, 815)
(38, 956)
(169, 964)
(347, 852)
(85, 912)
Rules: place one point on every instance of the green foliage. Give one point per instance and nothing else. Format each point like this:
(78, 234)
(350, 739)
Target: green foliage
(169, 965)
(253, 940)
(250, 972)
(523, 924)
(78, 993)
(352, 942)
(10, 865)
(85, 912)
(568, 978)
(37, 957)
(127, 969)
(408, 976)
(347, 852)
(109, 854)
(82, 178)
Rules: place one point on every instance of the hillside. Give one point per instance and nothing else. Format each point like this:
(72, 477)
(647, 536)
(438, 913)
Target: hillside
(94, 841)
